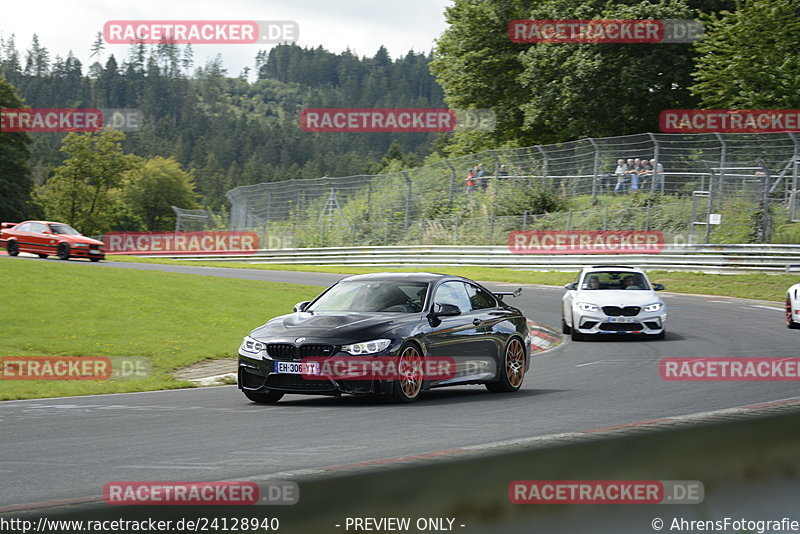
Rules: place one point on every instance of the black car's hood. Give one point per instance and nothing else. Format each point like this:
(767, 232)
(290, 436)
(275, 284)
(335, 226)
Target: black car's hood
(350, 326)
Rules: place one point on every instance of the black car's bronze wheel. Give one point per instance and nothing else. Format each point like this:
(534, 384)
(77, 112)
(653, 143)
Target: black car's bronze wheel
(263, 397)
(512, 369)
(12, 248)
(63, 251)
(408, 385)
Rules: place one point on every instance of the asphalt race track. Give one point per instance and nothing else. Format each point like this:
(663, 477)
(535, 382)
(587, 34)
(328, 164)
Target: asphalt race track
(69, 447)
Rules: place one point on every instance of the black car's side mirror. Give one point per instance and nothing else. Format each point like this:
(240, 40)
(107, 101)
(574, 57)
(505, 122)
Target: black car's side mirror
(572, 286)
(301, 306)
(445, 310)
(658, 287)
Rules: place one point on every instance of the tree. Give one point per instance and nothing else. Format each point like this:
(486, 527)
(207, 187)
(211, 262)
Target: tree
(80, 191)
(151, 189)
(546, 93)
(16, 183)
(749, 59)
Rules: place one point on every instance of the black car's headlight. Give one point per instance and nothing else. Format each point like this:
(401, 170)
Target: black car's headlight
(366, 347)
(252, 346)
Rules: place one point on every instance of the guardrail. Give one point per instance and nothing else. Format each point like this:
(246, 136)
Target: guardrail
(703, 258)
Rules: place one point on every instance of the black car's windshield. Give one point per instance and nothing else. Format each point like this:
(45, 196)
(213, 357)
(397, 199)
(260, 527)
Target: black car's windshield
(64, 229)
(614, 280)
(373, 296)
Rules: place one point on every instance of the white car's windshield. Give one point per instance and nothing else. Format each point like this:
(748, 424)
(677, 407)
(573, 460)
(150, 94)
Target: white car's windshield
(624, 280)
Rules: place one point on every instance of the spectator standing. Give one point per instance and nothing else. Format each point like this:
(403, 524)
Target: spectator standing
(622, 173)
(645, 174)
(634, 171)
(470, 180)
(480, 173)
(658, 175)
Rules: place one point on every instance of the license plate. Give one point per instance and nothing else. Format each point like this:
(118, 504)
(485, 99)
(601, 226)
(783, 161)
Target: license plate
(94, 252)
(297, 368)
(621, 319)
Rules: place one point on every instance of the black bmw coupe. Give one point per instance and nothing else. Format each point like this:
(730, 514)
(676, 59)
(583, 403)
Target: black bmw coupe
(396, 334)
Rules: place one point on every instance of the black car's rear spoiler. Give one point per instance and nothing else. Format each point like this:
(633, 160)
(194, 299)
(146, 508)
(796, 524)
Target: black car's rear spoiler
(517, 292)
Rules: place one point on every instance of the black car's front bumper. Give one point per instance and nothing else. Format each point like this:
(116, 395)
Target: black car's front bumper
(256, 374)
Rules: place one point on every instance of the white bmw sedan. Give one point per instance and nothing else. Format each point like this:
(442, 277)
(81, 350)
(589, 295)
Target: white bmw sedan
(612, 299)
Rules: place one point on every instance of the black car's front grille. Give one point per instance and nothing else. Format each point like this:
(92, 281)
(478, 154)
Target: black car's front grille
(297, 383)
(281, 351)
(621, 327)
(287, 351)
(616, 311)
(316, 351)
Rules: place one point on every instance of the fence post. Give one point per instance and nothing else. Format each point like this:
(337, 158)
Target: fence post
(647, 217)
(386, 234)
(455, 232)
(452, 182)
(605, 219)
(408, 201)
(545, 165)
(596, 167)
(569, 220)
(723, 160)
(491, 228)
(369, 198)
(525, 221)
(661, 177)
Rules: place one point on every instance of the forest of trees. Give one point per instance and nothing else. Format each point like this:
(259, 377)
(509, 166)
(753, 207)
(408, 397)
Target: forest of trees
(226, 130)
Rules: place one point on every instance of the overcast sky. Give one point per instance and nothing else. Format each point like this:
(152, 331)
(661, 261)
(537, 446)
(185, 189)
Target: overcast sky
(361, 25)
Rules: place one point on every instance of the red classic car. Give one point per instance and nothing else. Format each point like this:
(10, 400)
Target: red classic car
(49, 238)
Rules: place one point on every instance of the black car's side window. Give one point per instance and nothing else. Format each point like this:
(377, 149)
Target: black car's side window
(453, 293)
(479, 298)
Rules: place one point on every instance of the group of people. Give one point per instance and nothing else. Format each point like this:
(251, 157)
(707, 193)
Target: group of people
(476, 178)
(635, 174)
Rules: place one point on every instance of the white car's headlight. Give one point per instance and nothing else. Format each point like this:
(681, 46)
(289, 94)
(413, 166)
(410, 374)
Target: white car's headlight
(653, 307)
(252, 346)
(366, 347)
(585, 306)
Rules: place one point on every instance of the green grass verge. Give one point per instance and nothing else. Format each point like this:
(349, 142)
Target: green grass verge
(172, 320)
(753, 286)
